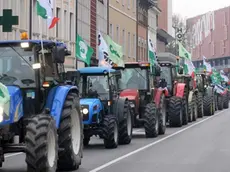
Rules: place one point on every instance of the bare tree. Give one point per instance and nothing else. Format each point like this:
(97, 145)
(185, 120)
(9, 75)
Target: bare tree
(180, 27)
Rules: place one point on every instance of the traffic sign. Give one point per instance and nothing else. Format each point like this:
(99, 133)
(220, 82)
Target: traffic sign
(7, 20)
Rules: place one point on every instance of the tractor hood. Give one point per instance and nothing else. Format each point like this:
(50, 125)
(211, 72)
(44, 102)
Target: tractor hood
(131, 94)
(11, 104)
(89, 101)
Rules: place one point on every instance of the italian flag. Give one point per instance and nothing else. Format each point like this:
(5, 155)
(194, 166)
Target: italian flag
(44, 9)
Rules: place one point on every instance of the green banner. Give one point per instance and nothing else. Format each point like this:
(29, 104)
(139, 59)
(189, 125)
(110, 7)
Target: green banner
(115, 51)
(83, 50)
(183, 52)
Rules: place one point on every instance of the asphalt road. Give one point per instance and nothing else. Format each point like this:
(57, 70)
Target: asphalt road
(200, 146)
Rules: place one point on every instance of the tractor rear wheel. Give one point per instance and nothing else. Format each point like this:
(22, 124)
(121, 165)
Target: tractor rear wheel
(226, 101)
(162, 115)
(41, 144)
(175, 112)
(110, 131)
(70, 134)
(220, 102)
(207, 105)
(151, 123)
(125, 126)
(190, 111)
(200, 105)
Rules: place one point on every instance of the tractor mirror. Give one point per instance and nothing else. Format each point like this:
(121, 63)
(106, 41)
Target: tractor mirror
(58, 54)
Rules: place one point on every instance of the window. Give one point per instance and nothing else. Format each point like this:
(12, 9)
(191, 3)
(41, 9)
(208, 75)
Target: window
(134, 46)
(58, 28)
(129, 45)
(66, 25)
(134, 6)
(111, 30)
(129, 4)
(124, 40)
(71, 28)
(118, 34)
(123, 2)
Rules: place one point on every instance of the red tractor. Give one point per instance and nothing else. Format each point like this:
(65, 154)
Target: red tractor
(182, 105)
(146, 94)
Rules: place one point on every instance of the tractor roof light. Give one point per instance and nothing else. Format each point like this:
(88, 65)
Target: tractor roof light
(24, 36)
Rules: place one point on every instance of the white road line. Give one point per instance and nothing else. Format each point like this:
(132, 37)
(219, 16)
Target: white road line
(14, 154)
(152, 144)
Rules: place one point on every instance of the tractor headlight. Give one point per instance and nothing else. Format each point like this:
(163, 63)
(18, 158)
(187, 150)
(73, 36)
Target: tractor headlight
(85, 111)
(1, 114)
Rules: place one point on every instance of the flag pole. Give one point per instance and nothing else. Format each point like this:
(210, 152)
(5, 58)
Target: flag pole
(40, 29)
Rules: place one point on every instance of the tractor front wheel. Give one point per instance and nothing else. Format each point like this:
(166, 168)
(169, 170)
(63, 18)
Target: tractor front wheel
(41, 142)
(220, 102)
(162, 114)
(110, 131)
(195, 107)
(70, 134)
(208, 105)
(151, 123)
(175, 112)
(200, 105)
(125, 126)
(226, 102)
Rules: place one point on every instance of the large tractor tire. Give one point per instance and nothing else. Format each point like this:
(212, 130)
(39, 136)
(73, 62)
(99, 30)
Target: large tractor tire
(190, 111)
(110, 132)
(207, 105)
(226, 101)
(70, 134)
(162, 115)
(175, 112)
(200, 107)
(125, 126)
(216, 101)
(151, 123)
(213, 104)
(195, 107)
(185, 112)
(41, 142)
(220, 102)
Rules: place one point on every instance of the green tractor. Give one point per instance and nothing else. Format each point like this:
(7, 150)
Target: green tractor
(206, 94)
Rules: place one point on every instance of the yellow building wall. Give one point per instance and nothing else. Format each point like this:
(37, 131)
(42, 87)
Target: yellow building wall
(122, 26)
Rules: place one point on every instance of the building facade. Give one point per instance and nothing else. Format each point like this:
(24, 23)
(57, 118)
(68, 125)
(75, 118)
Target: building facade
(152, 22)
(122, 26)
(210, 38)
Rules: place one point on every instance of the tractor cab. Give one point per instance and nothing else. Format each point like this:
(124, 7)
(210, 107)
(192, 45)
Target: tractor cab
(97, 84)
(24, 70)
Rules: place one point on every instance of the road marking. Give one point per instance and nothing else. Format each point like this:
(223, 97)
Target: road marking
(14, 154)
(152, 144)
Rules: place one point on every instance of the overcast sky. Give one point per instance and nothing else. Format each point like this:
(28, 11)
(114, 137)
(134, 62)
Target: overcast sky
(191, 8)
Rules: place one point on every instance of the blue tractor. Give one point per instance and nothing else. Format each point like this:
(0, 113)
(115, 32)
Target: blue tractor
(39, 106)
(105, 114)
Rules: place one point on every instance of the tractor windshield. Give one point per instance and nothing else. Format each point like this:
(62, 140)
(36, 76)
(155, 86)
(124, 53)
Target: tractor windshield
(96, 84)
(166, 74)
(15, 66)
(134, 78)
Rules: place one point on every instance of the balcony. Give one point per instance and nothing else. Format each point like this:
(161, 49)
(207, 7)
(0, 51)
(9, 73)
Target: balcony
(147, 4)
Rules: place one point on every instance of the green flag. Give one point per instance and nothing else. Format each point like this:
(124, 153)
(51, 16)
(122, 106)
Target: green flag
(115, 51)
(183, 52)
(152, 53)
(83, 50)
